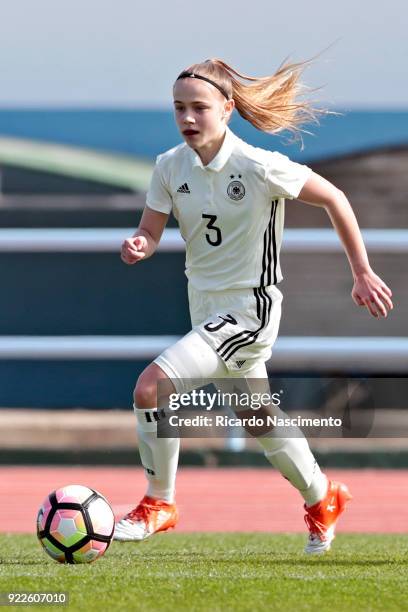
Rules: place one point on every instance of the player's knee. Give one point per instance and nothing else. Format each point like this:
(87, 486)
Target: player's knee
(145, 393)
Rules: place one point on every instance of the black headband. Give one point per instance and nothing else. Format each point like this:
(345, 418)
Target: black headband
(186, 74)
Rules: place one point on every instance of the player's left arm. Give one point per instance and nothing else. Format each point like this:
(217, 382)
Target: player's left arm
(369, 289)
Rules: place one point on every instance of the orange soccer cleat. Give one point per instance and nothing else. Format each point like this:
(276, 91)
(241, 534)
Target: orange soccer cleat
(321, 518)
(149, 517)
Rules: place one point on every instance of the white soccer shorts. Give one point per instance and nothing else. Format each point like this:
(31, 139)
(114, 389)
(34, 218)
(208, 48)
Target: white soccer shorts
(238, 327)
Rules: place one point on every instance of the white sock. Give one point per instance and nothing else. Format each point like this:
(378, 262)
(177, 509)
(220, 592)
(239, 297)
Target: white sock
(159, 455)
(294, 460)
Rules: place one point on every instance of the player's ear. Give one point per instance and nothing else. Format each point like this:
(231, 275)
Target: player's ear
(228, 108)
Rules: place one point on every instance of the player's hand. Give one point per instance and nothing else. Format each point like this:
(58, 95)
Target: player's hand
(133, 249)
(371, 292)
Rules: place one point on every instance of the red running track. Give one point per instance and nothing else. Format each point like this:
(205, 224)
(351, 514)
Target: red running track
(232, 499)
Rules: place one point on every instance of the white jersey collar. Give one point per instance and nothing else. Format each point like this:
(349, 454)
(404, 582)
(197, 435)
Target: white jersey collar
(222, 156)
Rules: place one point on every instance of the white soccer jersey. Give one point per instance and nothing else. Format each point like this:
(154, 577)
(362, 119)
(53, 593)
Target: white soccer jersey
(230, 212)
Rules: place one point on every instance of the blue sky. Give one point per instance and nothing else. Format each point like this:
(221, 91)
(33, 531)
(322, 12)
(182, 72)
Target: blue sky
(126, 53)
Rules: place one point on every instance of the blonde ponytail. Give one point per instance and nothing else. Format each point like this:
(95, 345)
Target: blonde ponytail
(271, 104)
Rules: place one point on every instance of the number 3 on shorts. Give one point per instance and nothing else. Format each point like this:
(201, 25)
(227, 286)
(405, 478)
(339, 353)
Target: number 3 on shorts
(213, 327)
(214, 241)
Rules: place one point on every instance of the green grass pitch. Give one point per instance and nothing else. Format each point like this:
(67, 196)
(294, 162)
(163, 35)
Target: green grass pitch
(219, 572)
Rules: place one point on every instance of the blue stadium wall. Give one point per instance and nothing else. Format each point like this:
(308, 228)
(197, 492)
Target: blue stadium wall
(85, 294)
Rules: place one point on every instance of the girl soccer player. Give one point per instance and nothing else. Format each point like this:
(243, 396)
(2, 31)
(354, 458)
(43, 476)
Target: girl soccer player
(228, 198)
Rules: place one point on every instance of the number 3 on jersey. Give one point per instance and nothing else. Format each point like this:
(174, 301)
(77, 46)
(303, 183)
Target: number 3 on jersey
(212, 239)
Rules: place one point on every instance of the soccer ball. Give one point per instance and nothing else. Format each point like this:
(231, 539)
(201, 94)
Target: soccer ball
(75, 524)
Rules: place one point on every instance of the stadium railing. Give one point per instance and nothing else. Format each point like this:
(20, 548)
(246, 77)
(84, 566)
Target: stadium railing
(312, 353)
(109, 240)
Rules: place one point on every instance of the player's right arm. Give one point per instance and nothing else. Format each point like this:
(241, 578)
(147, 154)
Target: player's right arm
(145, 240)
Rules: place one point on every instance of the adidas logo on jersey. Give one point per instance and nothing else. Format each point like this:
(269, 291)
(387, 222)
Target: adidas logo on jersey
(183, 189)
(240, 363)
